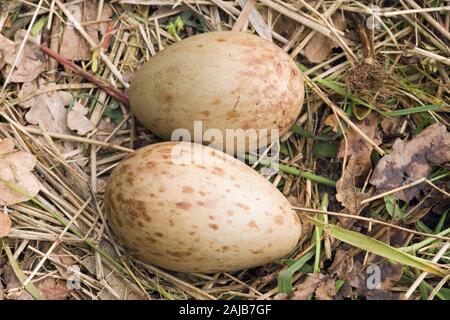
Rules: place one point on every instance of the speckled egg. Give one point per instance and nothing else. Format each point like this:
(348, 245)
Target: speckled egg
(190, 208)
(226, 80)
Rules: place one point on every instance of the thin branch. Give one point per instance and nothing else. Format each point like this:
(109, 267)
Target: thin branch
(114, 92)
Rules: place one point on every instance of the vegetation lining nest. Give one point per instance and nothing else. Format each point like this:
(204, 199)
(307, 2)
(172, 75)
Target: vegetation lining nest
(370, 81)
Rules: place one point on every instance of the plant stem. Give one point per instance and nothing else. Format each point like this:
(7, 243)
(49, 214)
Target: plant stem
(294, 171)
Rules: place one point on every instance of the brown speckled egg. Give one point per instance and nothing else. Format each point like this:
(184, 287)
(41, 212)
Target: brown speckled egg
(190, 208)
(227, 80)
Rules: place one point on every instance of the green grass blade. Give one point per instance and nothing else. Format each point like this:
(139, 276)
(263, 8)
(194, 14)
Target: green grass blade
(294, 171)
(285, 276)
(404, 112)
(377, 247)
(423, 243)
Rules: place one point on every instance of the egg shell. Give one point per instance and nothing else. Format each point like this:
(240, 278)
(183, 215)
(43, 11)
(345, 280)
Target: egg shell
(190, 208)
(226, 80)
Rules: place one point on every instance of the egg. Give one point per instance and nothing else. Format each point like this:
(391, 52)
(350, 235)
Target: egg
(219, 81)
(190, 208)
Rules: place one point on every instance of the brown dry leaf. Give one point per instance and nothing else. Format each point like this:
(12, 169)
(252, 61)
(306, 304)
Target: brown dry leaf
(357, 146)
(390, 126)
(342, 264)
(46, 110)
(31, 62)
(333, 122)
(326, 290)
(307, 288)
(15, 172)
(5, 225)
(77, 120)
(359, 164)
(105, 128)
(434, 201)
(410, 161)
(53, 289)
(357, 276)
(319, 48)
(347, 192)
(73, 46)
(322, 286)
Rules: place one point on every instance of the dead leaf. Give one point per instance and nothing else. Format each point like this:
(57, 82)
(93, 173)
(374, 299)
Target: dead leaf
(322, 286)
(391, 126)
(105, 128)
(434, 201)
(410, 161)
(53, 289)
(355, 143)
(342, 264)
(348, 193)
(5, 225)
(359, 165)
(73, 45)
(332, 121)
(358, 276)
(307, 288)
(15, 172)
(31, 62)
(77, 120)
(46, 110)
(319, 48)
(326, 290)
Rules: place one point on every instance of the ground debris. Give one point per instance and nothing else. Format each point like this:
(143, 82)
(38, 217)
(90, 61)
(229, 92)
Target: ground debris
(320, 47)
(359, 164)
(317, 284)
(73, 45)
(410, 161)
(370, 81)
(31, 62)
(5, 225)
(54, 289)
(47, 109)
(17, 183)
(77, 120)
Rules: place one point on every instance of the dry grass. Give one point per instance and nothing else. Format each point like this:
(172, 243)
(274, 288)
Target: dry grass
(65, 225)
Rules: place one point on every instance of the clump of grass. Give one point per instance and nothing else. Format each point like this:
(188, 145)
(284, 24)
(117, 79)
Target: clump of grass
(374, 72)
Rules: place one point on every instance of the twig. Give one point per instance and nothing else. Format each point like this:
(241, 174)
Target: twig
(371, 220)
(431, 55)
(430, 19)
(361, 29)
(243, 17)
(382, 195)
(422, 276)
(116, 93)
